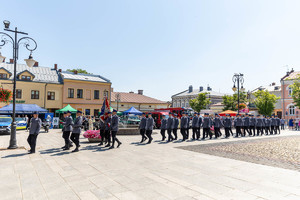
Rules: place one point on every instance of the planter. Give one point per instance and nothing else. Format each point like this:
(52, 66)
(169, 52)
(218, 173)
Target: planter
(94, 140)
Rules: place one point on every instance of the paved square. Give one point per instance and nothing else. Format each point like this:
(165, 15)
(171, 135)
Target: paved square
(134, 171)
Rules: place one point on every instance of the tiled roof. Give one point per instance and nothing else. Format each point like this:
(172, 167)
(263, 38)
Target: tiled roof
(84, 77)
(270, 88)
(135, 98)
(293, 75)
(42, 74)
(196, 92)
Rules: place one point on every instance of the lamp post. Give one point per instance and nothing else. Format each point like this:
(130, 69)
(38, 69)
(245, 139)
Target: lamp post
(118, 98)
(238, 79)
(26, 41)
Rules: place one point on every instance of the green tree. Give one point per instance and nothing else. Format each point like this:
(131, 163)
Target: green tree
(81, 71)
(296, 92)
(200, 102)
(230, 101)
(265, 102)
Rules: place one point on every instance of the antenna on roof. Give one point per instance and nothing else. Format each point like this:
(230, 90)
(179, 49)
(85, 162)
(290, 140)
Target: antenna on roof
(287, 68)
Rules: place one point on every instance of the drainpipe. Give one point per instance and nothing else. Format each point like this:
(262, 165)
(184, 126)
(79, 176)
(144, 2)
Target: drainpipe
(45, 95)
(283, 106)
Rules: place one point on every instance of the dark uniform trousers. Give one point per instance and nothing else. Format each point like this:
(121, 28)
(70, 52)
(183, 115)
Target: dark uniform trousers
(230, 130)
(198, 132)
(252, 128)
(206, 132)
(66, 136)
(170, 137)
(175, 133)
(149, 133)
(183, 133)
(142, 132)
(246, 128)
(259, 130)
(217, 132)
(107, 136)
(227, 132)
(187, 132)
(32, 141)
(102, 134)
(114, 137)
(163, 134)
(267, 130)
(75, 139)
(195, 133)
(238, 131)
(277, 129)
(273, 130)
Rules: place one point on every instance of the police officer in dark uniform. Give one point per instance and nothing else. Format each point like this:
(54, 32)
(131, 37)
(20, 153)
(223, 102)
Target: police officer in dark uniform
(217, 122)
(238, 123)
(114, 129)
(187, 131)
(259, 125)
(107, 129)
(252, 123)
(176, 124)
(183, 126)
(277, 124)
(263, 128)
(163, 127)
(77, 130)
(35, 126)
(170, 126)
(199, 126)
(68, 128)
(246, 124)
(227, 125)
(207, 123)
(268, 125)
(142, 127)
(195, 126)
(149, 127)
(102, 131)
(273, 125)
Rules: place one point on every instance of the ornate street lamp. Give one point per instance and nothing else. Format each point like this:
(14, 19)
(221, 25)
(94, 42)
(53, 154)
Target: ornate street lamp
(26, 41)
(239, 80)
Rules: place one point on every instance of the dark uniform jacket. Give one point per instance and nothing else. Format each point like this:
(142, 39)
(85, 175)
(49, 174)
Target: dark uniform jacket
(252, 121)
(176, 123)
(200, 121)
(163, 124)
(218, 123)
(149, 123)
(35, 126)
(184, 122)
(277, 121)
(114, 123)
(246, 121)
(143, 123)
(206, 122)
(238, 122)
(259, 122)
(68, 123)
(273, 122)
(268, 122)
(170, 123)
(77, 125)
(195, 122)
(227, 122)
(107, 123)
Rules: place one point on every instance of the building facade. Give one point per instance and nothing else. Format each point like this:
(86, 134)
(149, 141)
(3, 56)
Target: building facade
(37, 85)
(85, 92)
(183, 98)
(124, 100)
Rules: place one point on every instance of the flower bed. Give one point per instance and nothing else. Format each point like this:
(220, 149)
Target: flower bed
(92, 134)
(5, 95)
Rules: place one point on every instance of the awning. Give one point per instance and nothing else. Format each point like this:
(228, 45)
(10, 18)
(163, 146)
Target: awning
(230, 112)
(22, 109)
(67, 108)
(132, 110)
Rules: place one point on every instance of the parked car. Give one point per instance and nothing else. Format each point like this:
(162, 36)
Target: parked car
(5, 124)
(21, 123)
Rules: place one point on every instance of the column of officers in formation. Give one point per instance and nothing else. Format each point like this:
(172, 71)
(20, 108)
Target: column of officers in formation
(243, 124)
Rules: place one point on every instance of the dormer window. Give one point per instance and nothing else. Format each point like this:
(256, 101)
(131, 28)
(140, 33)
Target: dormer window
(25, 78)
(3, 76)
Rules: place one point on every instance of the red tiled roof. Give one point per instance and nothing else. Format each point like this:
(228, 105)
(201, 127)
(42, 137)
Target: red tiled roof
(135, 98)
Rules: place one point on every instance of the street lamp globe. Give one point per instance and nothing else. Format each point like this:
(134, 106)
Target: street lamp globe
(30, 61)
(242, 89)
(234, 88)
(2, 58)
(6, 23)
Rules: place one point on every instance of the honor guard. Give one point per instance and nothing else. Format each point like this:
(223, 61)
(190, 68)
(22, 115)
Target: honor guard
(207, 123)
(142, 127)
(183, 126)
(217, 122)
(114, 129)
(170, 126)
(102, 131)
(176, 124)
(35, 126)
(273, 125)
(227, 125)
(252, 123)
(264, 124)
(259, 125)
(238, 123)
(195, 126)
(268, 125)
(107, 129)
(163, 127)
(277, 124)
(149, 127)
(67, 128)
(77, 130)
(199, 125)
(246, 124)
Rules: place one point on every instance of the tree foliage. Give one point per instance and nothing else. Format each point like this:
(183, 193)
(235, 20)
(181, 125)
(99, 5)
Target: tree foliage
(265, 102)
(81, 71)
(296, 93)
(230, 102)
(200, 102)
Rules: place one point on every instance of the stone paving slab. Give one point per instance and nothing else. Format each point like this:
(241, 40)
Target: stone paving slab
(137, 171)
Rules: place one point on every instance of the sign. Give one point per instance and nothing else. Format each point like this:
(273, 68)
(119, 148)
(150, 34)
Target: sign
(50, 117)
(17, 101)
(55, 121)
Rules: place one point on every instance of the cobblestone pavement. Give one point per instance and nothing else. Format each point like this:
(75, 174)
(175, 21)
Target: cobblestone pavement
(278, 152)
(157, 171)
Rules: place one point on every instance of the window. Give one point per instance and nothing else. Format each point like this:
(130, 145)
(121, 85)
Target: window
(290, 91)
(35, 94)
(87, 111)
(3, 76)
(292, 110)
(70, 93)
(96, 112)
(19, 94)
(51, 96)
(96, 94)
(26, 78)
(79, 93)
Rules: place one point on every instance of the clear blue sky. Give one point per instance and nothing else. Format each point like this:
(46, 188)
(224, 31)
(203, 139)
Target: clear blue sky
(163, 46)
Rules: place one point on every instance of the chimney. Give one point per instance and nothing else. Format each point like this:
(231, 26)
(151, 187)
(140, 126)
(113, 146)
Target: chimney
(190, 88)
(36, 64)
(55, 66)
(273, 83)
(292, 70)
(200, 88)
(131, 92)
(140, 92)
(208, 88)
(75, 72)
(59, 70)
(11, 61)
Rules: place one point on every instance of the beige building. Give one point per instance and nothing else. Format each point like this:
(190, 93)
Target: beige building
(124, 100)
(36, 85)
(84, 92)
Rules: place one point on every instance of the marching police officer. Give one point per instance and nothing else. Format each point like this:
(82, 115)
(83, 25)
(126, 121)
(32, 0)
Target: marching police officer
(227, 125)
(273, 125)
(107, 129)
(217, 125)
(163, 127)
(114, 129)
(268, 125)
(102, 131)
(206, 126)
(170, 126)
(142, 127)
(183, 126)
(149, 127)
(199, 126)
(252, 123)
(176, 124)
(35, 126)
(246, 124)
(277, 124)
(195, 126)
(238, 123)
(259, 125)
(68, 128)
(77, 130)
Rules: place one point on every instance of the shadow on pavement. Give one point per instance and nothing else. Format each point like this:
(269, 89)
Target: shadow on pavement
(48, 151)
(15, 155)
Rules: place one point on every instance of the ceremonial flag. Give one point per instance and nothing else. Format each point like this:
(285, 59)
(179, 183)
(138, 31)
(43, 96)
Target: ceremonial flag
(104, 110)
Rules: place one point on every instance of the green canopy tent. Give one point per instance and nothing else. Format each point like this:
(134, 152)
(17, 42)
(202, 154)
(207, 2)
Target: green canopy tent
(67, 108)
